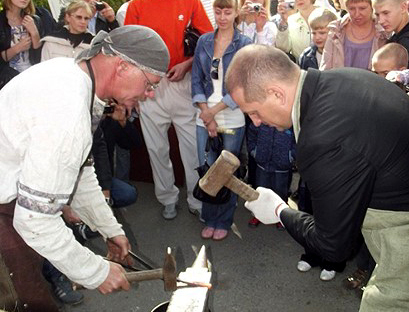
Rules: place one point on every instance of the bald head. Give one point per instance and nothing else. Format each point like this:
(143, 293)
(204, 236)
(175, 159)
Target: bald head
(374, 2)
(391, 56)
(255, 66)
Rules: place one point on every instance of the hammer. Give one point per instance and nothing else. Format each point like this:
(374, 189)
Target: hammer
(167, 273)
(221, 173)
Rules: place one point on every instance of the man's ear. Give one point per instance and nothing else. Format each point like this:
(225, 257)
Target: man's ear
(121, 68)
(404, 7)
(277, 93)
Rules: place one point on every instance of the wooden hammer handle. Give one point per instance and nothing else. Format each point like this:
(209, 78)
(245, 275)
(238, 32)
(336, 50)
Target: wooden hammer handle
(242, 189)
(144, 275)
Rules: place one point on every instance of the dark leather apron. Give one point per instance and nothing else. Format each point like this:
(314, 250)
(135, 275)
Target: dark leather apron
(24, 268)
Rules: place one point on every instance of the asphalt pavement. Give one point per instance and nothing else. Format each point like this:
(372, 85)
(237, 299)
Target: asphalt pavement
(254, 273)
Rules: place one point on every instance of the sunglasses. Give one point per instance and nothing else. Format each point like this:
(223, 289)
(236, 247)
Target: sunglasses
(214, 73)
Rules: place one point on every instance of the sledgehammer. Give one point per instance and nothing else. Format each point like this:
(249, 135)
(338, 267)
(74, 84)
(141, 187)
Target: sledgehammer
(221, 173)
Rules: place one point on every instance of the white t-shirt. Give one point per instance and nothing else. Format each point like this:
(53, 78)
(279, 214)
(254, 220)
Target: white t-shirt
(227, 118)
(20, 61)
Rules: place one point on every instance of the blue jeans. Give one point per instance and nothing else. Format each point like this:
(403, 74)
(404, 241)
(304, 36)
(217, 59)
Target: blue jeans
(219, 216)
(123, 163)
(277, 181)
(122, 193)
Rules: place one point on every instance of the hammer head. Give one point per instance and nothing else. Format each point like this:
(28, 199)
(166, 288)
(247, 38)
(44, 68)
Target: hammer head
(219, 173)
(169, 271)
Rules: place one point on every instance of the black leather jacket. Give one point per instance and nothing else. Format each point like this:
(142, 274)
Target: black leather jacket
(5, 39)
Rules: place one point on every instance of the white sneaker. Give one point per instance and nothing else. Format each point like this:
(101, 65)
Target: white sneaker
(169, 212)
(303, 266)
(327, 275)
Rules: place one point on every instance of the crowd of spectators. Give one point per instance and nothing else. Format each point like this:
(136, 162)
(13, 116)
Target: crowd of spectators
(371, 35)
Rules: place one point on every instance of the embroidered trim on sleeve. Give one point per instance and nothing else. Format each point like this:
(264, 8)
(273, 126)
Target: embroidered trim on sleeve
(37, 206)
(39, 201)
(31, 191)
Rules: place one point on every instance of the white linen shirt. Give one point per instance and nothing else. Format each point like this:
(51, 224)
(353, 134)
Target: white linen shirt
(45, 137)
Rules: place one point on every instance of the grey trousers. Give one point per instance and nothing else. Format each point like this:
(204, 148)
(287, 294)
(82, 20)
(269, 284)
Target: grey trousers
(386, 234)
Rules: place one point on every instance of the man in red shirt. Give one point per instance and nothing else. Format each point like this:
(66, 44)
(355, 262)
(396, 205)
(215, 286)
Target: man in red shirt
(172, 102)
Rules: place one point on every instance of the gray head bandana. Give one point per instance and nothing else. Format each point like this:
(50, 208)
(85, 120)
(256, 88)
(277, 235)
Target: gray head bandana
(137, 45)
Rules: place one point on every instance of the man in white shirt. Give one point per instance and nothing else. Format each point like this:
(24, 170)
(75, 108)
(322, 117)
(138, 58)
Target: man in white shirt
(45, 137)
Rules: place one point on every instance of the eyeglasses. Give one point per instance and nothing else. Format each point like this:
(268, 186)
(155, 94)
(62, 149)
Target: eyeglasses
(80, 18)
(215, 71)
(150, 86)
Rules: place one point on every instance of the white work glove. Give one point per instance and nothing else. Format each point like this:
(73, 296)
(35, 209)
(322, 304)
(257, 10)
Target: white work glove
(267, 207)
(394, 76)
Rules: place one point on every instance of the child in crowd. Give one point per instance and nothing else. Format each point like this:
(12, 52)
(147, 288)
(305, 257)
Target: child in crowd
(273, 152)
(391, 57)
(318, 22)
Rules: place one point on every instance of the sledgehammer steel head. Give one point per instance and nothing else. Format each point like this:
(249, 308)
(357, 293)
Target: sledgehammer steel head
(219, 173)
(167, 273)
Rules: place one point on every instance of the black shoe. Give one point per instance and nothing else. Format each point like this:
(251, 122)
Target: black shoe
(84, 231)
(62, 289)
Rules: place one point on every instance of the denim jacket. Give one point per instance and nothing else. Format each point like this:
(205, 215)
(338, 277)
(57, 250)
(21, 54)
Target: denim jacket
(202, 85)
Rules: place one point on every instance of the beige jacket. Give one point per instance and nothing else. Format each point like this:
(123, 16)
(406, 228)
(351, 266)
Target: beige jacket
(333, 54)
(59, 47)
(296, 38)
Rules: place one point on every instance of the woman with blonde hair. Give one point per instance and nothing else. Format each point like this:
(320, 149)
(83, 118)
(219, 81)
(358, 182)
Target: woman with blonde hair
(353, 40)
(255, 21)
(73, 37)
(20, 33)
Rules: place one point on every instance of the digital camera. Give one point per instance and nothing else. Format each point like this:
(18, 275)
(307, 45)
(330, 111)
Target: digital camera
(290, 4)
(256, 7)
(99, 5)
(109, 109)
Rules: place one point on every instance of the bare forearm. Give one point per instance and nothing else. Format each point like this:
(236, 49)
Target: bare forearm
(218, 108)
(9, 53)
(35, 39)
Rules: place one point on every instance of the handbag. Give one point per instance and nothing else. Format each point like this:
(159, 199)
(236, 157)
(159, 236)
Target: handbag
(191, 36)
(223, 196)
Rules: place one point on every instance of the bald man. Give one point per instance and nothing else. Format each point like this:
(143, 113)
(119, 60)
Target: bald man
(352, 152)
